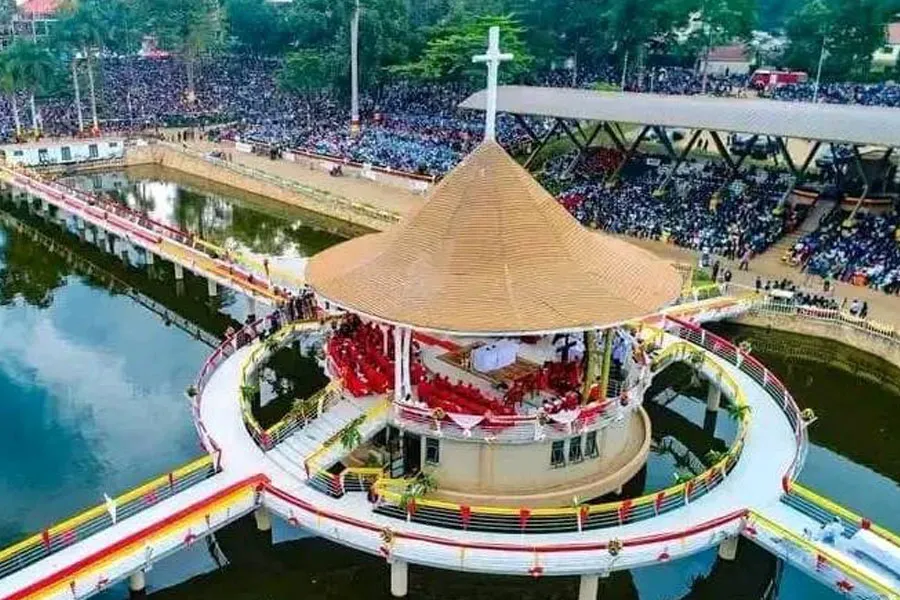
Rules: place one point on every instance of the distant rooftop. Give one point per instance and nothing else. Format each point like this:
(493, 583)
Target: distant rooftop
(838, 123)
(733, 53)
(39, 7)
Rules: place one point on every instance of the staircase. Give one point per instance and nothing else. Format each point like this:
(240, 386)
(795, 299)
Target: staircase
(317, 439)
(819, 210)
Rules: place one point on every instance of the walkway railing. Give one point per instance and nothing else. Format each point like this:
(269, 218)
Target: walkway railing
(524, 429)
(91, 573)
(759, 373)
(303, 411)
(394, 495)
(295, 186)
(69, 532)
(825, 511)
(163, 238)
(839, 317)
(816, 558)
(318, 464)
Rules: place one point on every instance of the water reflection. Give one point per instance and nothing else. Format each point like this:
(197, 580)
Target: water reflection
(226, 217)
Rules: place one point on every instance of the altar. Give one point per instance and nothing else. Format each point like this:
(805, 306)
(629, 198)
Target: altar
(494, 356)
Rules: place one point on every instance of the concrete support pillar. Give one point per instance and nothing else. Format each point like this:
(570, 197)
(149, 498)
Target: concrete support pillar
(588, 587)
(399, 578)
(179, 272)
(398, 360)
(212, 288)
(713, 397)
(728, 548)
(251, 305)
(407, 358)
(137, 584)
(262, 518)
(149, 257)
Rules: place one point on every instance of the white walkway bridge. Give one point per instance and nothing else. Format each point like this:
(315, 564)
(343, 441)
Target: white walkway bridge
(292, 469)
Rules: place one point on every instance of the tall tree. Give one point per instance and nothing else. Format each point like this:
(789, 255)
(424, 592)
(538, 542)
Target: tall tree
(258, 26)
(191, 28)
(307, 73)
(11, 84)
(448, 54)
(86, 29)
(723, 22)
(35, 69)
(324, 26)
(850, 30)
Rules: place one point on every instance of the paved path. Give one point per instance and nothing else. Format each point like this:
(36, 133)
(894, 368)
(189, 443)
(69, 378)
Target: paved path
(753, 483)
(153, 238)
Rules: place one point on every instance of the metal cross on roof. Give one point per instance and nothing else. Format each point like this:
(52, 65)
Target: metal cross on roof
(493, 58)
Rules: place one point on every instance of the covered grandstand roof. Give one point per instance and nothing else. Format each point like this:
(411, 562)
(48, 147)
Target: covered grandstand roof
(839, 123)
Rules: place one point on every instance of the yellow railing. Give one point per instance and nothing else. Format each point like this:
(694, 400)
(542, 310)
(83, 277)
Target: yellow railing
(393, 489)
(312, 463)
(842, 512)
(818, 549)
(302, 408)
(251, 263)
(72, 524)
(198, 517)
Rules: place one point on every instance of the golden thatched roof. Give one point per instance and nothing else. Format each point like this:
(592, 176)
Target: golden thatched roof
(491, 252)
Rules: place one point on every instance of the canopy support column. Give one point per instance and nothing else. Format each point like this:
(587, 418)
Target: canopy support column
(857, 163)
(723, 151)
(629, 154)
(664, 140)
(407, 353)
(398, 362)
(799, 174)
(541, 143)
(614, 137)
(610, 336)
(674, 171)
(589, 140)
(735, 166)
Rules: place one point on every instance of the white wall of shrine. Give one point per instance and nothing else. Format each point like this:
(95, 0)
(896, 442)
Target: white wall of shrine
(489, 474)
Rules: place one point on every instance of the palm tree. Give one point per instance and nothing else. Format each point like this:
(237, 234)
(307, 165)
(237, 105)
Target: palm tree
(10, 84)
(34, 65)
(87, 28)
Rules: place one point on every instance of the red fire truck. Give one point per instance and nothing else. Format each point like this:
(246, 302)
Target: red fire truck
(767, 78)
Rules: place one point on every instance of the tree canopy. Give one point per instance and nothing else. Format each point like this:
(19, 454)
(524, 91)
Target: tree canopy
(851, 30)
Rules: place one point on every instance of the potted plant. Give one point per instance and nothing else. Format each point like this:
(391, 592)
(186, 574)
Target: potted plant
(350, 436)
(738, 412)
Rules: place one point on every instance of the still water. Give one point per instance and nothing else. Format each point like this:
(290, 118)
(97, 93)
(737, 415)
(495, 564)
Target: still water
(85, 368)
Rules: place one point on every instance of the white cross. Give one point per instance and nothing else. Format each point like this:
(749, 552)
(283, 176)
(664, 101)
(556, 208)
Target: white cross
(493, 58)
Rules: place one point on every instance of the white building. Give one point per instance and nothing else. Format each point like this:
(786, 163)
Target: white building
(728, 60)
(887, 57)
(62, 152)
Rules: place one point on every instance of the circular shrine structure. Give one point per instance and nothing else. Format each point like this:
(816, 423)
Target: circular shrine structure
(498, 323)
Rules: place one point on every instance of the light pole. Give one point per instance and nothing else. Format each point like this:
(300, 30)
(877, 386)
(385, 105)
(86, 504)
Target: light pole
(819, 71)
(354, 71)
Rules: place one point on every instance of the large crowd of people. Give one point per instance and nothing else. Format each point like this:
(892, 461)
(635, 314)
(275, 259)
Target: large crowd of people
(699, 209)
(412, 127)
(418, 128)
(864, 250)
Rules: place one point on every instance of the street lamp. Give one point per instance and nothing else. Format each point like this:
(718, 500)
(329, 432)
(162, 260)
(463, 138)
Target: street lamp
(819, 70)
(354, 71)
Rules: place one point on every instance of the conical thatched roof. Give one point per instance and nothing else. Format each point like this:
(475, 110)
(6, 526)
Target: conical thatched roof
(491, 252)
